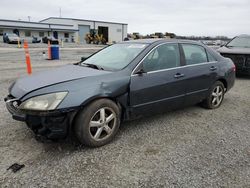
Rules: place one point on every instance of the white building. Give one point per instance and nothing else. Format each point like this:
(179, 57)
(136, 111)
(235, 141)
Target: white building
(66, 29)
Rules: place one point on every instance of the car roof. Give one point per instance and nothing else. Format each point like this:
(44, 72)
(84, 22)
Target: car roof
(160, 40)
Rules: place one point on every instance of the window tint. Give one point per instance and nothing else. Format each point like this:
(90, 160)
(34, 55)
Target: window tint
(163, 57)
(210, 57)
(194, 54)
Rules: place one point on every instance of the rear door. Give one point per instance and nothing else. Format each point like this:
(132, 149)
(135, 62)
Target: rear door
(201, 72)
(162, 86)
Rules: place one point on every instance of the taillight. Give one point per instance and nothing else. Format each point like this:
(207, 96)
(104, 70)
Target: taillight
(234, 68)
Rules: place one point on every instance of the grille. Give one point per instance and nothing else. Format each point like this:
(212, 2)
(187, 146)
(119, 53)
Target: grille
(239, 60)
(248, 61)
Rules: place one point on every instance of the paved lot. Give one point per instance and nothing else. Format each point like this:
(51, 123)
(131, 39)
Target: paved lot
(192, 147)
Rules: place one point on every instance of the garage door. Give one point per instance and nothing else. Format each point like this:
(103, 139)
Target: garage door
(83, 30)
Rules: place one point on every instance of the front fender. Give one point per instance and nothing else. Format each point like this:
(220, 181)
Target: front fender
(82, 91)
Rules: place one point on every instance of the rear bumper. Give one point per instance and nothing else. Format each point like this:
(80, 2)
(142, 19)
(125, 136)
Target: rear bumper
(48, 125)
(13, 42)
(230, 78)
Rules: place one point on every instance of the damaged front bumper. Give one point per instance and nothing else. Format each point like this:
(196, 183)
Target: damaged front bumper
(51, 125)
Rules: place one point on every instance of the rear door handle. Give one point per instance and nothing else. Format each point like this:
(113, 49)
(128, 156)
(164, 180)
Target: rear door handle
(179, 75)
(213, 68)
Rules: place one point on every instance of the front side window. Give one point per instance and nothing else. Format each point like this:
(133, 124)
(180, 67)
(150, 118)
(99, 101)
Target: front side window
(163, 57)
(194, 54)
(117, 56)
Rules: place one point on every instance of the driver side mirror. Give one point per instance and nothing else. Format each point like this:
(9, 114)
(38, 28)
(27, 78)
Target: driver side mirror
(140, 71)
(83, 58)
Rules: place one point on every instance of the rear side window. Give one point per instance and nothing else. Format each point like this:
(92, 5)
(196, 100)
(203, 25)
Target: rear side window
(162, 57)
(194, 54)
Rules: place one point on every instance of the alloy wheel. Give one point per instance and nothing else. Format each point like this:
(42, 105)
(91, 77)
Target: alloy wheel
(217, 96)
(102, 124)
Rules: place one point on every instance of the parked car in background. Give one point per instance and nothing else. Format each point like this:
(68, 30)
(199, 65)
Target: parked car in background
(123, 81)
(238, 49)
(11, 38)
(35, 40)
(51, 39)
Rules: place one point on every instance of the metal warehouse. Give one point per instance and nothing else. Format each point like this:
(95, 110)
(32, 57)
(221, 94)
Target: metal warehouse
(65, 29)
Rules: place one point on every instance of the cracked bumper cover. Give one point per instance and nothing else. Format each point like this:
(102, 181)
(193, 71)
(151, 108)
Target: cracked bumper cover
(49, 125)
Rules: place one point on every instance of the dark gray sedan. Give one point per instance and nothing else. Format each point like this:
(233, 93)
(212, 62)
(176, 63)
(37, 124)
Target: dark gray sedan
(124, 81)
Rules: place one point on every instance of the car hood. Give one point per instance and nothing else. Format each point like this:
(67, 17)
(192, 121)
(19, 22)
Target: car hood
(43, 79)
(13, 38)
(233, 50)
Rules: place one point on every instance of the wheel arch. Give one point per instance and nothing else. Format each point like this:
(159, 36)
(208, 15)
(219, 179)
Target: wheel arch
(120, 101)
(224, 81)
(89, 101)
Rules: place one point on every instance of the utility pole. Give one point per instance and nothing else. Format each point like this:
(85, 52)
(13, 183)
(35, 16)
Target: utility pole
(60, 12)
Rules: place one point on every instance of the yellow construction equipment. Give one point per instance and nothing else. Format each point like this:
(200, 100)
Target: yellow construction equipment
(94, 38)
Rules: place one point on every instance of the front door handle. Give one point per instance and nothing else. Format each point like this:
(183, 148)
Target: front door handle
(213, 68)
(179, 75)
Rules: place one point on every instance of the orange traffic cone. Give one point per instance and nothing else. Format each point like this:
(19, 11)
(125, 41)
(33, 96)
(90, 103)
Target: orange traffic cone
(27, 55)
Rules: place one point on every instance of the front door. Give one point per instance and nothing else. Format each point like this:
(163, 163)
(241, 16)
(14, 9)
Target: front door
(162, 86)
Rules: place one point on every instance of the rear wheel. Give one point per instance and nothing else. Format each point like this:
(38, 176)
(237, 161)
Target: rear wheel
(216, 96)
(98, 123)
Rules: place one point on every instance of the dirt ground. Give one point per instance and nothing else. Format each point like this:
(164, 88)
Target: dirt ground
(192, 147)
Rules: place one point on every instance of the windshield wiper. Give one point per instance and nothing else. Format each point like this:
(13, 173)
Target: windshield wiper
(93, 66)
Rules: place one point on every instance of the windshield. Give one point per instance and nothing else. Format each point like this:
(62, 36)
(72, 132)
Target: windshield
(115, 57)
(243, 42)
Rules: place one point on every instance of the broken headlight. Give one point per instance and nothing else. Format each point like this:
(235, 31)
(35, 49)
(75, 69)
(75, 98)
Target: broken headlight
(44, 102)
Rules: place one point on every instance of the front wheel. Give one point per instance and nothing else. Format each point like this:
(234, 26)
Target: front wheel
(216, 96)
(98, 123)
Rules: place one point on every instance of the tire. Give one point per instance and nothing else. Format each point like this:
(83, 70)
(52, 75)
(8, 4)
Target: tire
(98, 123)
(215, 97)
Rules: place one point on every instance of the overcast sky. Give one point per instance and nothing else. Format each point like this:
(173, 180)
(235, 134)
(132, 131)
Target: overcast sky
(183, 17)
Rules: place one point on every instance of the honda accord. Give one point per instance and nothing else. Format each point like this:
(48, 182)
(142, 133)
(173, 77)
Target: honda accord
(132, 79)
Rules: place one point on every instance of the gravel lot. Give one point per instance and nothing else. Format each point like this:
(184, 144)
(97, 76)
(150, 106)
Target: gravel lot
(192, 147)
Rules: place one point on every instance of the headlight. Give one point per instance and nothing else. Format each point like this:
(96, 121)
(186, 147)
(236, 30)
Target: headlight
(44, 102)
